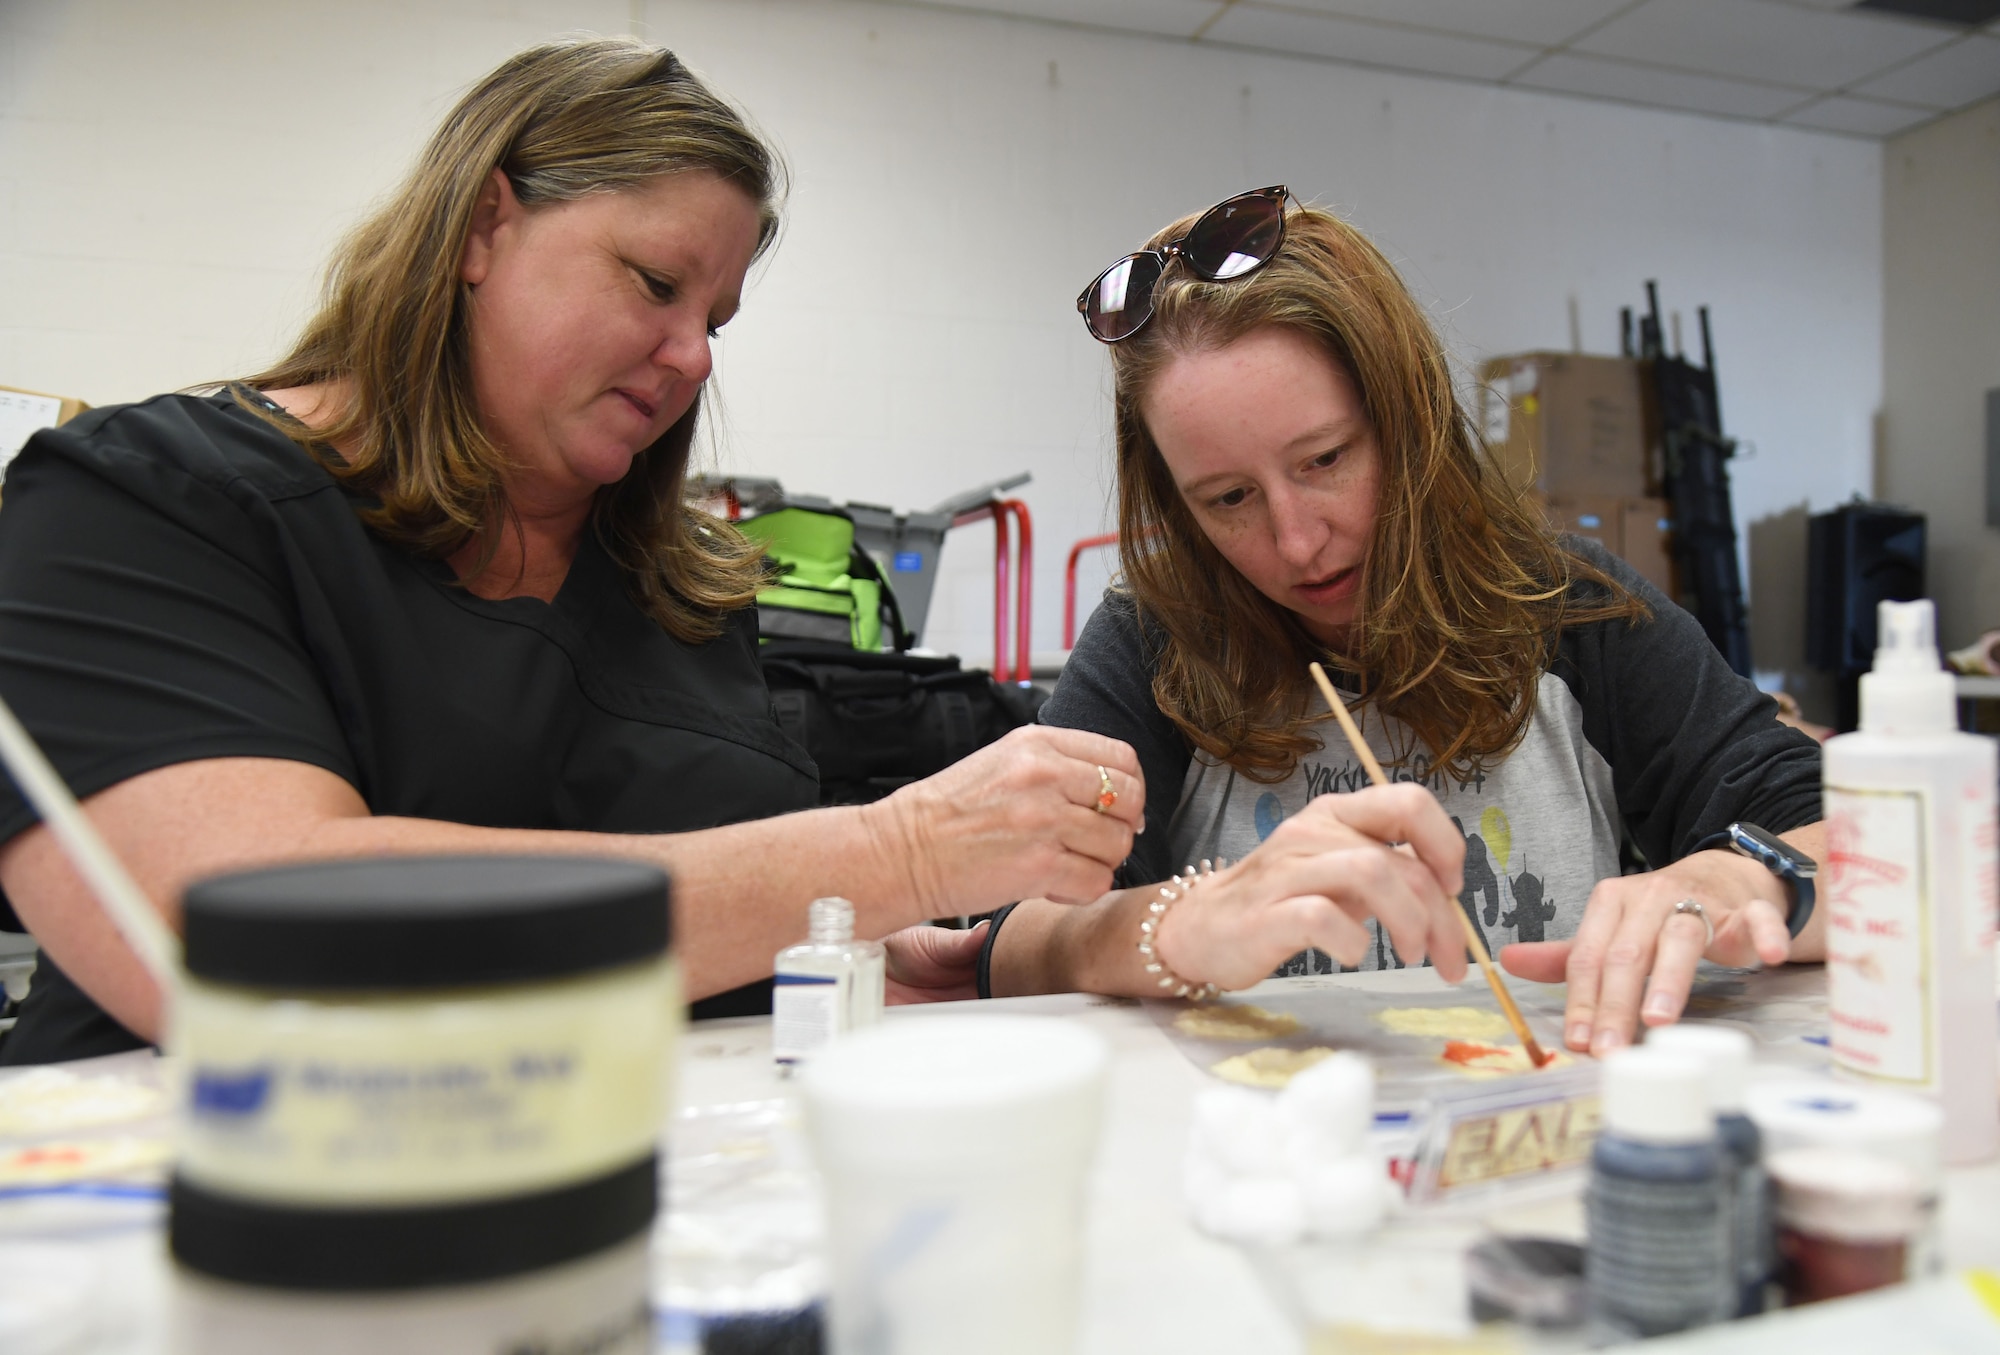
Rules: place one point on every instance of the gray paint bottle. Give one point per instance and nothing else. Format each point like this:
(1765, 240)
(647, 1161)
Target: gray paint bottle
(1726, 1054)
(1657, 1260)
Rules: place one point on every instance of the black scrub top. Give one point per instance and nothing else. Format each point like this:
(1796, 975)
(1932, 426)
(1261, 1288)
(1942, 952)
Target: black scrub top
(179, 580)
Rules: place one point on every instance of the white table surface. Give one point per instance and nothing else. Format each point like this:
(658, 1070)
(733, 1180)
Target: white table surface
(1153, 1283)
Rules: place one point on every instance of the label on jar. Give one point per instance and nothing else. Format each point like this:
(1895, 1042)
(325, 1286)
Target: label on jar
(805, 1015)
(412, 1100)
(1659, 1255)
(1878, 941)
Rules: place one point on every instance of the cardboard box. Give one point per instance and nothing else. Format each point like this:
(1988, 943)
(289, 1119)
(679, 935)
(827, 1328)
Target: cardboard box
(1597, 516)
(25, 413)
(1638, 530)
(1569, 425)
(1646, 542)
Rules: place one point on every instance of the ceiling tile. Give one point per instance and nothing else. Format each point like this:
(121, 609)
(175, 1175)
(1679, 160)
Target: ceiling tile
(1863, 117)
(1175, 18)
(1764, 40)
(1605, 79)
(1544, 23)
(1963, 73)
(1409, 49)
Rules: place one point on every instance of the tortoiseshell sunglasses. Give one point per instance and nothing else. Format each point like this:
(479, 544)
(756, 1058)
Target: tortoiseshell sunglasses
(1232, 239)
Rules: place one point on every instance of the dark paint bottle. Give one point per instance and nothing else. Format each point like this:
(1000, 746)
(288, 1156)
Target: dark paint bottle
(1725, 1055)
(1658, 1253)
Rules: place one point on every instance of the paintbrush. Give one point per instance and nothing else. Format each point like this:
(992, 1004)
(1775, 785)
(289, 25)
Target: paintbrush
(1473, 941)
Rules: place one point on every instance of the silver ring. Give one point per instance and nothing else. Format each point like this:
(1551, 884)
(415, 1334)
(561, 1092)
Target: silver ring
(1689, 906)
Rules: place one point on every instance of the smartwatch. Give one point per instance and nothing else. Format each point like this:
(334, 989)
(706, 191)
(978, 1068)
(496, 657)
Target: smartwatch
(1779, 857)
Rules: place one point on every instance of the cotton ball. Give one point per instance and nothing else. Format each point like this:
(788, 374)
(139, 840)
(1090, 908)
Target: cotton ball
(1262, 1210)
(1329, 1108)
(1201, 1175)
(1240, 1129)
(1342, 1196)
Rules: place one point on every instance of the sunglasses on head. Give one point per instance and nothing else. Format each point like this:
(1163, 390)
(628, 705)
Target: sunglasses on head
(1232, 239)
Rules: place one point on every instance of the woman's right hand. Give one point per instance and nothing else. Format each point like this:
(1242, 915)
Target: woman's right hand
(1017, 820)
(1317, 880)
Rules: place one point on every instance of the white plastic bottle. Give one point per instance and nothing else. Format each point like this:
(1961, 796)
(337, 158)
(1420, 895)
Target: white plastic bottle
(1910, 889)
(829, 985)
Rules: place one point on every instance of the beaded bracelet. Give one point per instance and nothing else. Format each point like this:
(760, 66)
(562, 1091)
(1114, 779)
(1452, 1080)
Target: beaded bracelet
(1172, 892)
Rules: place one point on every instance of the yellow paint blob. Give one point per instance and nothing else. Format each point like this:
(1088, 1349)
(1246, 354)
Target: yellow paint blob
(1233, 1022)
(55, 1100)
(1499, 835)
(1269, 1067)
(1445, 1023)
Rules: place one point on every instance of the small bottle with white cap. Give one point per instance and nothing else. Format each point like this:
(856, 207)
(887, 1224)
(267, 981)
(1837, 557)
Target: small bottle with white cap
(1823, 1113)
(1725, 1056)
(1911, 889)
(1847, 1222)
(1657, 1257)
(825, 986)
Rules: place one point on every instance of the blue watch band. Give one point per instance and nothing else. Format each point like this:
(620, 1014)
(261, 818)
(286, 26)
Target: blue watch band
(1774, 860)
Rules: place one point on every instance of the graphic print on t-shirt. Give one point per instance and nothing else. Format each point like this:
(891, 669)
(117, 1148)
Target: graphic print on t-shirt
(1481, 884)
(1531, 912)
(1550, 801)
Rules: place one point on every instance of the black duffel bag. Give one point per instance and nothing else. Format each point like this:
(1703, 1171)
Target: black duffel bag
(875, 722)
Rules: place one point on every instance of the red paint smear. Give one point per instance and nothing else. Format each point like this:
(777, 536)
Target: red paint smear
(1467, 1052)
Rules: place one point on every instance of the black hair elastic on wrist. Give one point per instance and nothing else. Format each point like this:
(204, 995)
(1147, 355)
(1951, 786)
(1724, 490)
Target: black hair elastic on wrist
(983, 971)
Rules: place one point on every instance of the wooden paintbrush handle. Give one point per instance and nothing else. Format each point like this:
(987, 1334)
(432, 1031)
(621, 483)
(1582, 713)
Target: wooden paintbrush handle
(1474, 943)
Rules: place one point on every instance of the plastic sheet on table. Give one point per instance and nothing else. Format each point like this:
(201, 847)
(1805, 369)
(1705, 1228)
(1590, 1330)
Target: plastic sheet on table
(84, 1146)
(1346, 1012)
(1783, 1010)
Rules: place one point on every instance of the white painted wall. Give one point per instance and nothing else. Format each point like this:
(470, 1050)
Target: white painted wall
(171, 178)
(1941, 216)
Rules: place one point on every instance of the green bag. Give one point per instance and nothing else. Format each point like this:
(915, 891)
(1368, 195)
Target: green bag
(827, 589)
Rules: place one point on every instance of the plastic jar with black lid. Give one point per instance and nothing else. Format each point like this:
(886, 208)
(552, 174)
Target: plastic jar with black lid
(420, 1071)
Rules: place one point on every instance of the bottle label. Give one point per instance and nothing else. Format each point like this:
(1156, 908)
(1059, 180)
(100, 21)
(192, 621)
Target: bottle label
(425, 1099)
(1878, 942)
(1659, 1254)
(805, 1015)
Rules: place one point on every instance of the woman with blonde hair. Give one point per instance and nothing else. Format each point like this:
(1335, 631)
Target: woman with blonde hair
(1298, 482)
(431, 583)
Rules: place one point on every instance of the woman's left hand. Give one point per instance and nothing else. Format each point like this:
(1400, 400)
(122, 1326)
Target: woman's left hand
(933, 964)
(1634, 956)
